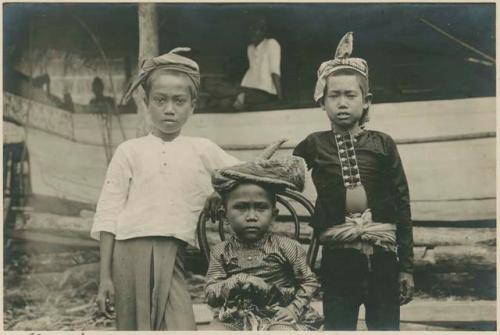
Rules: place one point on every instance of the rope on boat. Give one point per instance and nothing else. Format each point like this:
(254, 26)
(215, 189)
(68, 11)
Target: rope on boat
(403, 141)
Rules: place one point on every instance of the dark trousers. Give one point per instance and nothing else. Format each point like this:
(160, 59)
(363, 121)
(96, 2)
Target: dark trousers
(12, 152)
(258, 99)
(347, 283)
(14, 184)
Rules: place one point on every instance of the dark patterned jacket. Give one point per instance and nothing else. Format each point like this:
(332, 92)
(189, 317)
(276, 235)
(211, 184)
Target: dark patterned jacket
(381, 173)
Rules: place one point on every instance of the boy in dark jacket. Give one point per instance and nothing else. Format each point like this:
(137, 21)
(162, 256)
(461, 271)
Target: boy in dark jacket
(363, 206)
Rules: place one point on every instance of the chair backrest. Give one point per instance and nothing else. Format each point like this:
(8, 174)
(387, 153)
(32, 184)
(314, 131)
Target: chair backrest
(283, 199)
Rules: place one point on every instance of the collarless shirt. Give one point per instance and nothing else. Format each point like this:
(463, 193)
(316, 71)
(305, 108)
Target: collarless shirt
(382, 175)
(157, 188)
(263, 60)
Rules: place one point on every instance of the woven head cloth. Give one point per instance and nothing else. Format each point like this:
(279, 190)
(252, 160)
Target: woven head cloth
(341, 61)
(168, 61)
(277, 174)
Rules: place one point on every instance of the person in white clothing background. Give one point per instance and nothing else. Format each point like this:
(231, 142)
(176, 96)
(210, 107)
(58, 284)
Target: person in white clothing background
(261, 84)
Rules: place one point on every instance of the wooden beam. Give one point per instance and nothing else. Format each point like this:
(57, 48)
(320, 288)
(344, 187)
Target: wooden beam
(459, 41)
(50, 239)
(442, 258)
(456, 258)
(434, 236)
(435, 310)
(148, 47)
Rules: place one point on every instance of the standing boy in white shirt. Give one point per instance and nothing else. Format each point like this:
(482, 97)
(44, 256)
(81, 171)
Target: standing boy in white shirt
(154, 189)
(262, 82)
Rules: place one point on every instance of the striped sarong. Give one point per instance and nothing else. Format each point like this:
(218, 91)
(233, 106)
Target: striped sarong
(150, 288)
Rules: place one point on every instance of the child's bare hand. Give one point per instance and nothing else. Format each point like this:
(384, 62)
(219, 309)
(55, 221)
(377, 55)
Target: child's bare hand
(406, 288)
(257, 283)
(284, 314)
(212, 206)
(229, 284)
(106, 297)
(239, 103)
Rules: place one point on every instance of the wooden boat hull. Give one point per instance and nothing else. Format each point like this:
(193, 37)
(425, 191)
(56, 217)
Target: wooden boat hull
(452, 178)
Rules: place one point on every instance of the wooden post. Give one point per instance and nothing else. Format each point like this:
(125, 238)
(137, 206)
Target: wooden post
(148, 47)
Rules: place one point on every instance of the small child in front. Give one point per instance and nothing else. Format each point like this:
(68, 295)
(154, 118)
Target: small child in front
(154, 190)
(260, 280)
(362, 209)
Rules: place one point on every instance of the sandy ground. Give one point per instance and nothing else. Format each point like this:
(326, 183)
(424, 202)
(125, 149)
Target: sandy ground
(46, 288)
(56, 291)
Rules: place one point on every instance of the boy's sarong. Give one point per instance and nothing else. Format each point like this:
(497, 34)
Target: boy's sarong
(150, 288)
(255, 318)
(242, 310)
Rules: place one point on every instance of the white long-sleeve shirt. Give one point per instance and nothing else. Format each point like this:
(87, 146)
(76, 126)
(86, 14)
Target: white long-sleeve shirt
(263, 60)
(157, 188)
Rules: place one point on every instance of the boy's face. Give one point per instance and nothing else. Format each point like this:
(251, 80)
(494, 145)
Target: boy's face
(257, 34)
(257, 31)
(169, 103)
(344, 101)
(250, 212)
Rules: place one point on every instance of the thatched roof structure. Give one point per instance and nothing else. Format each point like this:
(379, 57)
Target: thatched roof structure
(409, 60)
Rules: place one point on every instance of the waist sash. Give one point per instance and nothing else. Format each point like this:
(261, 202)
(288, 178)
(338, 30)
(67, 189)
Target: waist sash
(361, 233)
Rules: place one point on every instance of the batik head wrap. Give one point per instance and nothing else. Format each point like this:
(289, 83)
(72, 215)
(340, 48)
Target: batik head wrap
(341, 61)
(276, 174)
(168, 61)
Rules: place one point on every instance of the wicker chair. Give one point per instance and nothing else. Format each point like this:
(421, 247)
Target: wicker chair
(282, 199)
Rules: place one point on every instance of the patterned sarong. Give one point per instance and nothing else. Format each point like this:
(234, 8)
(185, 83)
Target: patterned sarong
(246, 309)
(253, 318)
